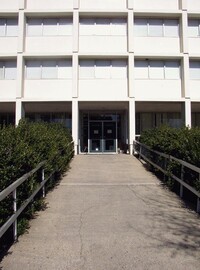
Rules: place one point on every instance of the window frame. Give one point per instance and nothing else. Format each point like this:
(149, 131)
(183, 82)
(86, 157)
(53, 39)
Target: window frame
(42, 68)
(163, 25)
(57, 26)
(164, 66)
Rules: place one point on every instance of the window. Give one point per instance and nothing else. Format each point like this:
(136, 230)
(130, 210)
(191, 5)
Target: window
(157, 69)
(8, 27)
(49, 69)
(193, 28)
(141, 69)
(49, 27)
(103, 27)
(156, 27)
(103, 69)
(195, 70)
(8, 70)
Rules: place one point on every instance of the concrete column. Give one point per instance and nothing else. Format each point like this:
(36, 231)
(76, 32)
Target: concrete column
(20, 76)
(130, 4)
(131, 75)
(75, 31)
(22, 4)
(75, 76)
(19, 111)
(188, 113)
(76, 4)
(185, 76)
(21, 27)
(130, 31)
(183, 4)
(131, 124)
(183, 32)
(75, 124)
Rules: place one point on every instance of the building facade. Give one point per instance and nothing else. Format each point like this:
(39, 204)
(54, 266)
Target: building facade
(107, 69)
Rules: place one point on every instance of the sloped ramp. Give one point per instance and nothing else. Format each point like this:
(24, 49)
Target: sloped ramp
(109, 213)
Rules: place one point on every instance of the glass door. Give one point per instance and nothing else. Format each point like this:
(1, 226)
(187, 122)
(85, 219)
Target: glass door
(95, 137)
(109, 136)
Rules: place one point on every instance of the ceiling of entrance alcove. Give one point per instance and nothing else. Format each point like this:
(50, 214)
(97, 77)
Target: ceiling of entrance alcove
(107, 106)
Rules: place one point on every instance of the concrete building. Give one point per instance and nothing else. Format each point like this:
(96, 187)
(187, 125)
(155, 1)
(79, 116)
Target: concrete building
(107, 69)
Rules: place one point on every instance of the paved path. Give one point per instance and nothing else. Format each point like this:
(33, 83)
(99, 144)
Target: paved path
(108, 213)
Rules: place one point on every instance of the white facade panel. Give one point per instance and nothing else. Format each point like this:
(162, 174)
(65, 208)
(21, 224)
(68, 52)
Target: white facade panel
(195, 89)
(99, 4)
(102, 89)
(157, 89)
(194, 45)
(9, 4)
(102, 44)
(163, 45)
(48, 89)
(193, 4)
(8, 45)
(49, 4)
(8, 89)
(157, 4)
(48, 44)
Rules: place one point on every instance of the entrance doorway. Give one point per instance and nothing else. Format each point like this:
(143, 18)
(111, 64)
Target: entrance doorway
(102, 132)
(102, 136)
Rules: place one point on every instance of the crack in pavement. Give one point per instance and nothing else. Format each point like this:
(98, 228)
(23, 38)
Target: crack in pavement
(82, 257)
(136, 195)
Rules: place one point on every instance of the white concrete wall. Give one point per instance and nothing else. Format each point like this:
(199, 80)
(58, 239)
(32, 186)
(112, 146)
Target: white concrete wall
(157, 4)
(193, 4)
(9, 4)
(8, 45)
(157, 89)
(103, 44)
(48, 89)
(195, 89)
(103, 4)
(157, 45)
(194, 45)
(49, 4)
(8, 89)
(103, 90)
(48, 44)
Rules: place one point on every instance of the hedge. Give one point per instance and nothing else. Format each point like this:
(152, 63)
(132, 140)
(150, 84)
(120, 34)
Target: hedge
(183, 143)
(21, 149)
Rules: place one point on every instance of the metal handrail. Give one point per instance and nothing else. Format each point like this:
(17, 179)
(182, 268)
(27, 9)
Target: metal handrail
(13, 189)
(166, 172)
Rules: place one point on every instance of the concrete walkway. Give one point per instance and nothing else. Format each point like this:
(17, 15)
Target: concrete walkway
(109, 213)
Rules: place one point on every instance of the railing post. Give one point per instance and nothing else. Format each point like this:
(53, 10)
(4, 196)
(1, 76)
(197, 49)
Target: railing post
(198, 205)
(165, 168)
(43, 188)
(15, 210)
(182, 178)
(140, 152)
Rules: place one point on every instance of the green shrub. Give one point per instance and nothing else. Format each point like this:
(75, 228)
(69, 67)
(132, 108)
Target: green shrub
(21, 149)
(181, 143)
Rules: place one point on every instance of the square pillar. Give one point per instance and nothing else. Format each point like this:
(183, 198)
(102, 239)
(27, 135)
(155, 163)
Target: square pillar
(185, 76)
(188, 113)
(131, 124)
(20, 76)
(131, 75)
(75, 125)
(19, 111)
(130, 4)
(75, 31)
(130, 31)
(76, 4)
(75, 75)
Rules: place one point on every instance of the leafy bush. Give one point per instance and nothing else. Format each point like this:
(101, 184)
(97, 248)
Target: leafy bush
(21, 149)
(181, 143)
